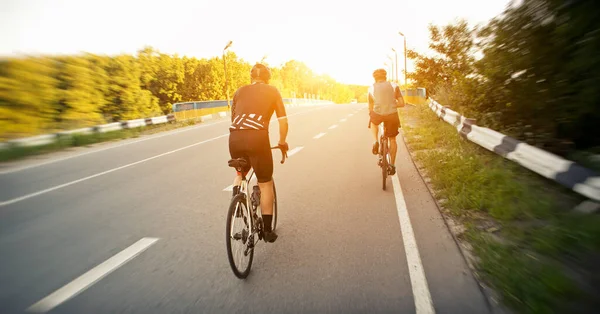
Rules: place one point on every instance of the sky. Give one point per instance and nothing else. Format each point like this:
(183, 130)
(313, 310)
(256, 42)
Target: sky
(344, 39)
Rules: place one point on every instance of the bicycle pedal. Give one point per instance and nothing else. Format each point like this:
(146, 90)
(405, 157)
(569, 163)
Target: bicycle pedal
(250, 242)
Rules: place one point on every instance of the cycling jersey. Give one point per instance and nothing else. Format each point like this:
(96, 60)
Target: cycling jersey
(253, 105)
(383, 96)
(252, 108)
(383, 99)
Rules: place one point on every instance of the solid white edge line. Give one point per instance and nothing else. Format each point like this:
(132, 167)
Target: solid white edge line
(294, 150)
(318, 136)
(229, 188)
(333, 127)
(92, 276)
(420, 289)
(24, 197)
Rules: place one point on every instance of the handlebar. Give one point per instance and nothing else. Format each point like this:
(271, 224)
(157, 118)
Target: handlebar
(283, 152)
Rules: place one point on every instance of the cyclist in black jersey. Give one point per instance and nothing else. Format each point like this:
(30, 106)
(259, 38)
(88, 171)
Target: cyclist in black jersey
(252, 108)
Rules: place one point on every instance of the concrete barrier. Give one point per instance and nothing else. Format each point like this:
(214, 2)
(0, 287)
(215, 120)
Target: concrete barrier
(82, 131)
(133, 123)
(34, 140)
(108, 127)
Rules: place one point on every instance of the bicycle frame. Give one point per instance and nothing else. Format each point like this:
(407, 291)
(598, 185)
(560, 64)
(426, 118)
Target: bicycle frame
(382, 138)
(245, 190)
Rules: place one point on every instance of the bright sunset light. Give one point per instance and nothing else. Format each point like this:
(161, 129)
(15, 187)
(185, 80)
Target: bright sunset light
(346, 40)
(207, 156)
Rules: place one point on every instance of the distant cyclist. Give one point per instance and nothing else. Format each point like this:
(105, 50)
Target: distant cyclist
(384, 99)
(251, 110)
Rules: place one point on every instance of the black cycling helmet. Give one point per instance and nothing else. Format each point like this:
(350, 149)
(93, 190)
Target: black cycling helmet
(380, 74)
(260, 71)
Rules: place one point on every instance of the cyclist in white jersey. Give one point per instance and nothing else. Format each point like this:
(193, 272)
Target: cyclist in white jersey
(384, 99)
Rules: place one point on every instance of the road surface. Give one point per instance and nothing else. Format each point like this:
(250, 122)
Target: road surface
(138, 226)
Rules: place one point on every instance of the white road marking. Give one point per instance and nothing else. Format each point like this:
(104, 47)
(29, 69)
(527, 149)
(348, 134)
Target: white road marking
(24, 197)
(343, 120)
(333, 127)
(420, 289)
(229, 188)
(151, 137)
(92, 276)
(350, 115)
(294, 150)
(318, 136)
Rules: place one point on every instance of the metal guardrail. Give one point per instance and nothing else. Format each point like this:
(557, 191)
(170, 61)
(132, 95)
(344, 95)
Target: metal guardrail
(569, 174)
(210, 110)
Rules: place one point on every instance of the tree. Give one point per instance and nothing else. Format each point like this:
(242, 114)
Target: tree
(46, 94)
(541, 70)
(80, 100)
(449, 73)
(127, 99)
(27, 94)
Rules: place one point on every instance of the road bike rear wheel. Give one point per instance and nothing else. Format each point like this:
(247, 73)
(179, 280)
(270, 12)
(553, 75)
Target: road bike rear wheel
(274, 220)
(384, 162)
(240, 242)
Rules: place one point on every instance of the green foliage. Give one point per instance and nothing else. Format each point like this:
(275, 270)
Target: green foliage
(50, 93)
(537, 80)
(540, 257)
(28, 94)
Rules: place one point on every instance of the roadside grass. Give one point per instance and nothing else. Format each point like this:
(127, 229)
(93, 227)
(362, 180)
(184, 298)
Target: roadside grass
(538, 255)
(589, 159)
(77, 140)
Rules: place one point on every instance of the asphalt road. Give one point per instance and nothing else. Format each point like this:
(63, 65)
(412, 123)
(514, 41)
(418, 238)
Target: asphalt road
(138, 226)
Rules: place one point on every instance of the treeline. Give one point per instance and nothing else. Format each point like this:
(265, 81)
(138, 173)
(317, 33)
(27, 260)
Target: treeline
(538, 79)
(49, 93)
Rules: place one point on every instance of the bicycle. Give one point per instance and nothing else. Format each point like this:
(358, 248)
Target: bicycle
(245, 205)
(384, 159)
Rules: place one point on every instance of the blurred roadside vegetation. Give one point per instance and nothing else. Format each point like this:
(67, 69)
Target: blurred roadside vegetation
(44, 94)
(532, 73)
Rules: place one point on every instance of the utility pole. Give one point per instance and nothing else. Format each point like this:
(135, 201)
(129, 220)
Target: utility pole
(405, 70)
(225, 69)
(395, 53)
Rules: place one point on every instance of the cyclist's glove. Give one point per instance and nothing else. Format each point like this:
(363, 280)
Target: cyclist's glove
(285, 147)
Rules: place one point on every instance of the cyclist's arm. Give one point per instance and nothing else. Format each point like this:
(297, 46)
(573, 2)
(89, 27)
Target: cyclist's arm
(371, 101)
(399, 99)
(281, 117)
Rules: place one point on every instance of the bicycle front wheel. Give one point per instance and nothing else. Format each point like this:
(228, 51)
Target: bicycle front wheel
(239, 237)
(384, 162)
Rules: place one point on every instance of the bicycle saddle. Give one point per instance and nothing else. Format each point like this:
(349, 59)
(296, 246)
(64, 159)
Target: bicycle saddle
(240, 163)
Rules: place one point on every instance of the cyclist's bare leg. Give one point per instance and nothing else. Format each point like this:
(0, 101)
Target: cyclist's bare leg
(393, 149)
(238, 180)
(266, 197)
(236, 185)
(375, 131)
(266, 206)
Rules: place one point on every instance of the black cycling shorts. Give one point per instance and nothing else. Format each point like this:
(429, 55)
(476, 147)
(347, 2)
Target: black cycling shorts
(255, 147)
(391, 123)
